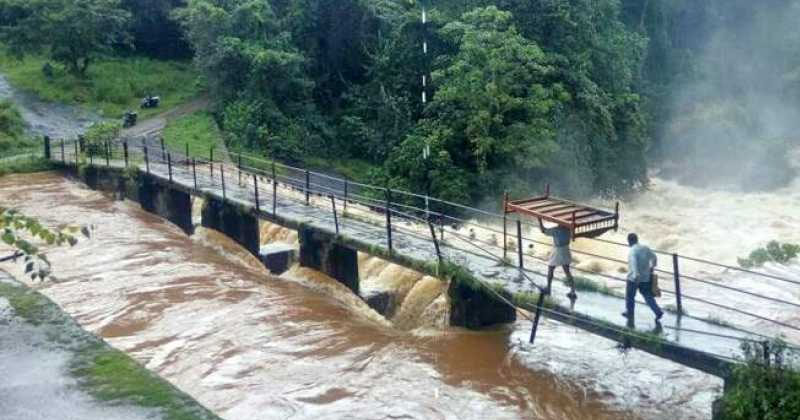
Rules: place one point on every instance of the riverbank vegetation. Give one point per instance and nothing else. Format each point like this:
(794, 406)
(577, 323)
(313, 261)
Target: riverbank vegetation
(776, 252)
(13, 140)
(198, 130)
(586, 95)
(111, 86)
(766, 385)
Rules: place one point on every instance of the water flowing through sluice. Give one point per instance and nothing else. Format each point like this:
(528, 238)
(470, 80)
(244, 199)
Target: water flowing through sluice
(203, 313)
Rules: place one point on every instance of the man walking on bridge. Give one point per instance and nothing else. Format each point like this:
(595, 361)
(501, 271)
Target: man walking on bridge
(641, 263)
(560, 256)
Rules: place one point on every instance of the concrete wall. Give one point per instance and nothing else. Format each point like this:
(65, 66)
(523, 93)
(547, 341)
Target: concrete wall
(172, 204)
(320, 251)
(473, 305)
(232, 220)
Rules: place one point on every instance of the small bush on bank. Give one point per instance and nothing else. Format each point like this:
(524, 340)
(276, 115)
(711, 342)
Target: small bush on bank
(766, 386)
(773, 252)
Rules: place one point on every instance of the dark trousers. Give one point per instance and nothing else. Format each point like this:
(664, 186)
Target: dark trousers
(646, 289)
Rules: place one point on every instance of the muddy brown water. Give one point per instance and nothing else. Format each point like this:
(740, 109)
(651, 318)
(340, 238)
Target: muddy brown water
(206, 316)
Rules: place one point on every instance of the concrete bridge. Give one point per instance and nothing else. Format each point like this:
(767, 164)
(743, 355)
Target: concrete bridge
(336, 218)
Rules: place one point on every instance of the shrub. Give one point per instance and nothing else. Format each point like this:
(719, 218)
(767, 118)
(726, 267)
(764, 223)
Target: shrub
(766, 386)
(773, 252)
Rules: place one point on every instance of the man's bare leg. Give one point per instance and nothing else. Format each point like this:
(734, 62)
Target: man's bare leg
(571, 281)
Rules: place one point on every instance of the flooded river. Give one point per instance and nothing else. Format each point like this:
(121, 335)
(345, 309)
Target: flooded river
(203, 313)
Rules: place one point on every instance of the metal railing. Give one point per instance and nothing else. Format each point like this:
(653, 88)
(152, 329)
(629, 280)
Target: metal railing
(259, 181)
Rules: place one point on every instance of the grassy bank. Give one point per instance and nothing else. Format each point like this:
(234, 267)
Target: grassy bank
(107, 374)
(354, 169)
(112, 85)
(199, 130)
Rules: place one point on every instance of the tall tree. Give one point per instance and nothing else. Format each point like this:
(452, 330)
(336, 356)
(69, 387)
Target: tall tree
(72, 32)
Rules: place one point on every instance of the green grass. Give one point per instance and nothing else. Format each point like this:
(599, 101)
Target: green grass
(13, 140)
(112, 85)
(353, 169)
(587, 285)
(199, 130)
(25, 165)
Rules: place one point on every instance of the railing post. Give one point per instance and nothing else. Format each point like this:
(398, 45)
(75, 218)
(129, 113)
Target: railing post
(146, 160)
(519, 243)
(91, 157)
(274, 191)
(222, 177)
(308, 187)
(240, 169)
(676, 273)
(335, 216)
(47, 147)
(77, 154)
(435, 242)
(163, 149)
(345, 195)
(194, 173)
(187, 150)
(255, 190)
(125, 152)
(169, 166)
(538, 315)
(108, 153)
(505, 226)
(63, 157)
(389, 219)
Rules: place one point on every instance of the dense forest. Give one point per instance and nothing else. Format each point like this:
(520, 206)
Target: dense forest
(589, 95)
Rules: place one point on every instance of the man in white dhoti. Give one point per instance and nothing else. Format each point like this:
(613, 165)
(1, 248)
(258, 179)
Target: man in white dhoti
(560, 257)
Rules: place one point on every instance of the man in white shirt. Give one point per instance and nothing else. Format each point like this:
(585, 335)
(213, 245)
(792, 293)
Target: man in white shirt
(641, 262)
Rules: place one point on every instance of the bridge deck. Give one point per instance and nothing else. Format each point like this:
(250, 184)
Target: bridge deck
(698, 343)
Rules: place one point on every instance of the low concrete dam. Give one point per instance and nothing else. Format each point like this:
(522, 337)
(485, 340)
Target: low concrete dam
(205, 314)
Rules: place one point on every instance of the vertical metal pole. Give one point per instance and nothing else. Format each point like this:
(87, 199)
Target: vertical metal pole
(255, 190)
(47, 147)
(519, 243)
(435, 242)
(187, 150)
(505, 226)
(335, 216)
(274, 191)
(91, 157)
(676, 273)
(146, 160)
(108, 152)
(538, 315)
(211, 161)
(345, 195)
(389, 219)
(125, 152)
(308, 186)
(240, 169)
(77, 153)
(63, 158)
(163, 149)
(194, 173)
(222, 177)
(169, 166)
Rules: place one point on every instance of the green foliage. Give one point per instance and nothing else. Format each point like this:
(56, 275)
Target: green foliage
(23, 164)
(199, 130)
(111, 86)
(766, 386)
(582, 283)
(19, 232)
(99, 135)
(12, 131)
(774, 252)
(72, 32)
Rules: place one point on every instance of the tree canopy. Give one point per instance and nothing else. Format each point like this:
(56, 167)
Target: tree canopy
(72, 32)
